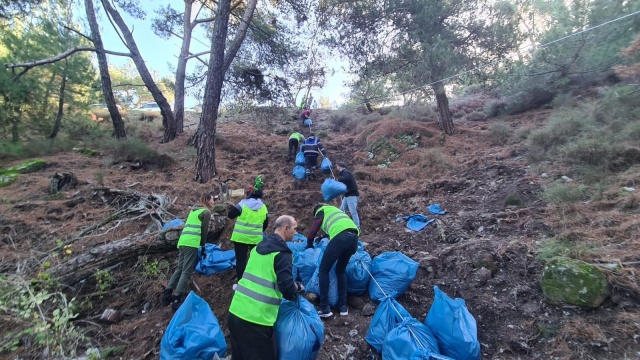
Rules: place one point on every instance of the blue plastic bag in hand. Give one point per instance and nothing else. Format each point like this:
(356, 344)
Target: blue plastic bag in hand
(216, 260)
(306, 263)
(308, 122)
(389, 314)
(408, 337)
(453, 326)
(331, 189)
(325, 166)
(393, 271)
(193, 333)
(300, 158)
(299, 330)
(299, 172)
(357, 271)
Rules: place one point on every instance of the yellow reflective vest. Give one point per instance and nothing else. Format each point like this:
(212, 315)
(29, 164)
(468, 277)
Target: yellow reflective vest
(191, 233)
(248, 229)
(257, 298)
(335, 221)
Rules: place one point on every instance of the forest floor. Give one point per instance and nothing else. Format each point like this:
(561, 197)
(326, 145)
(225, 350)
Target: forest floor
(494, 214)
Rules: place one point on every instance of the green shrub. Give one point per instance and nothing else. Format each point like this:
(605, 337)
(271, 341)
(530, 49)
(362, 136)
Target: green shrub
(512, 200)
(416, 112)
(494, 107)
(527, 99)
(322, 134)
(589, 151)
(567, 246)
(134, 149)
(562, 99)
(476, 116)
(499, 133)
(562, 127)
(564, 194)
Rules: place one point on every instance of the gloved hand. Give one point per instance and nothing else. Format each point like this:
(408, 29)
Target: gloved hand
(299, 286)
(309, 246)
(317, 239)
(203, 252)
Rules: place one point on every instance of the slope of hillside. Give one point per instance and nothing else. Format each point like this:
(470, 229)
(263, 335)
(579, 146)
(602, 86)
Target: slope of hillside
(495, 218)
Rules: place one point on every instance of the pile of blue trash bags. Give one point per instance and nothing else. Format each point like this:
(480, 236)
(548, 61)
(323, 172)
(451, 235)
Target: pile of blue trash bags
(448, 332)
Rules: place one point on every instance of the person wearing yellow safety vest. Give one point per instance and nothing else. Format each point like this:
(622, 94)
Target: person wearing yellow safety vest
(251, 222)
(343, 242)
(267, 280)
(193, 236)
(294, 140)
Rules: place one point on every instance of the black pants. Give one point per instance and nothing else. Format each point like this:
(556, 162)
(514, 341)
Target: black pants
(242, 256)
(311, 163)
(293, 148)
(251, 341)
(339, 250)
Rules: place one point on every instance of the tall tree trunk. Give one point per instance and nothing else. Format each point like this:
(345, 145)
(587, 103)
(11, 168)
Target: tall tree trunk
(168, 120)
(205, 143)
(446, 120)
(181, 68)
(105, 79)
(47, 92)
(56, 124)
(15, 133)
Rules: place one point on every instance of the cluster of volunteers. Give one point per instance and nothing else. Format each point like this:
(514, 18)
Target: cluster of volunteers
(264, 262)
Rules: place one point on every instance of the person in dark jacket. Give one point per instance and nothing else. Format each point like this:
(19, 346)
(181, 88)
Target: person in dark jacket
(254, 308)
(311, 148)
(252, 221)
(304, 116)
(193, 236)
(350, 199)
(343, 242)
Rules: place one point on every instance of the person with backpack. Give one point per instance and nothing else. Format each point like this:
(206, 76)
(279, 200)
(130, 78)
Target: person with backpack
(311, 148)
(294, 140)
(251, 221)
(193, 236)
(267, 280)
(343, 242)
(350, 199)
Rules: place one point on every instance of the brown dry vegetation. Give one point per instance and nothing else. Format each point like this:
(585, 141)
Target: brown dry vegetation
(495, 208)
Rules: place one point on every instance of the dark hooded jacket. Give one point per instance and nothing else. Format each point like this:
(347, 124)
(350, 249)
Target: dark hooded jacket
(282, 265)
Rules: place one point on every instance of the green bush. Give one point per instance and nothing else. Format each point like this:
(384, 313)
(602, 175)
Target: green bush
(527, 99)
(564, 194)
(499, 133)
(569, 246)
(494, 107)
(589, 151)
(416, 112)
(133, 149)
(562, 127)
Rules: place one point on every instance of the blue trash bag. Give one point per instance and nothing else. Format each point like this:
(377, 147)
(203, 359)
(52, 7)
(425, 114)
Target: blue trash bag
(313, 285)
(453, 326)
(299, 330)
(300, 158)
(394, 271)
(389, 314)
(193, 333)
(297, 244)
(306, 262)
(299, 172)
(322, 244)
(331, 189)
(172, 223)
(308, 122)
(406, 338)
(426, 354)
(325, 166)
(358, 270)
(216, 260)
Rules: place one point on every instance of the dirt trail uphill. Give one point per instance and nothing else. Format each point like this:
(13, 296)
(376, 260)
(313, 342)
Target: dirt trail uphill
(401, 167)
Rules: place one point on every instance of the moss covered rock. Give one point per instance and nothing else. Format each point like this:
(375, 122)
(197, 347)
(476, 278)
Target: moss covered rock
(574, 282)
(8, 179)
(26, 167)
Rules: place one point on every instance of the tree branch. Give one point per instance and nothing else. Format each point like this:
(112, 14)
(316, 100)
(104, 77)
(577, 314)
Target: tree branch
(198, 54)
(78, 32)
(29, 65)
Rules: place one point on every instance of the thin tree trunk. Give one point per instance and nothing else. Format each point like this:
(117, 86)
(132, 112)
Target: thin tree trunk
(56, 124)
(105, 78)
(181, 68)
(205, 143)
(446, 119)
(47, 92)
(15, 130)
(168, 120)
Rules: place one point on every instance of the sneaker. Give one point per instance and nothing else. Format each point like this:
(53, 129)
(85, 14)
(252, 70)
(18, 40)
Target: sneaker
(175, 305)
(325, 313)
(234, 286)
(344, 310)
